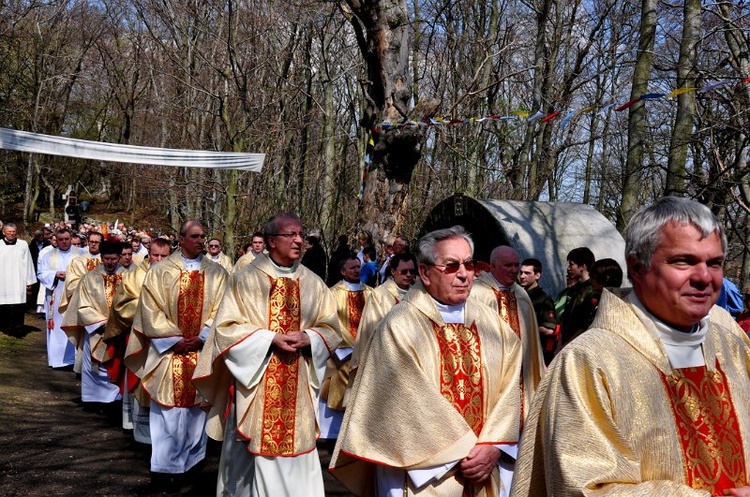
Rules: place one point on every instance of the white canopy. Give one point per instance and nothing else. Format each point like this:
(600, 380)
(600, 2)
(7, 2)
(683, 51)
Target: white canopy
(35, 143)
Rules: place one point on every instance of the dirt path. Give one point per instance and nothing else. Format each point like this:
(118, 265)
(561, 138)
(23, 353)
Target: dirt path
(51, 445)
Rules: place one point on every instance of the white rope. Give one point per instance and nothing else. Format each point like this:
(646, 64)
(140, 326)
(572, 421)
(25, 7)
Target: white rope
(35, 143)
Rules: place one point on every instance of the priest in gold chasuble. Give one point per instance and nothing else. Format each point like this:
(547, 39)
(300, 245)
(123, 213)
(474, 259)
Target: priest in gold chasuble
(177, 306)
(89, 258)
(438, 393)
(111, 352)
(380, 302)
(263, 367)
(86, 317)
(351, 296)
(654, 398)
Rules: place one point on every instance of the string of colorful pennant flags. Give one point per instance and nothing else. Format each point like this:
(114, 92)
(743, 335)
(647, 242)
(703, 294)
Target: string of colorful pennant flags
(521, 114)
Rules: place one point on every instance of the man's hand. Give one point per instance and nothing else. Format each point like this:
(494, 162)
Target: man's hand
(193, 344)
(301, 339)
(546, 331)
(291, 342)
(480, 462)
(187, 345)
(60, 275)
(738, 492)
(284, 342)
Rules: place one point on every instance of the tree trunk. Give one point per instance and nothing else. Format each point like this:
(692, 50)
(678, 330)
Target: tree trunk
(382, 31)
(683, 125)
(637, 116)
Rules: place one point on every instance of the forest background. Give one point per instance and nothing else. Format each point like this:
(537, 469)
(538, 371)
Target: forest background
(307, 82)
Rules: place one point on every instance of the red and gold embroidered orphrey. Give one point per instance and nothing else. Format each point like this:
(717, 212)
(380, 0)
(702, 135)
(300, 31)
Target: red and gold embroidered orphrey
(507, 307)
(461, 373)
(91, 264)
(111, 282)
(281, 378)
(190, 322)
(355, 302)
(709, 432)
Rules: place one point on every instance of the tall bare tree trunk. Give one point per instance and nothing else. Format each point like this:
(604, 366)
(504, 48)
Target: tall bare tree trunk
(637, 115)
(683, 125)
(382, 31)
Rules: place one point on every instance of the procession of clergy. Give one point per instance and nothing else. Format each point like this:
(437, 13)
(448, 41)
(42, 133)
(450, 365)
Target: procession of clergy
(433, 383)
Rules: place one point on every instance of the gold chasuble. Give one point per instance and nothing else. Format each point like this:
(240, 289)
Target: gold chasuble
(275, 415)
(350, 305)
(77, 269)
(111, 351)
(379, 303)
(174, 302)
(612, 417)
(91, 305)
(426, 393)
(515, 308)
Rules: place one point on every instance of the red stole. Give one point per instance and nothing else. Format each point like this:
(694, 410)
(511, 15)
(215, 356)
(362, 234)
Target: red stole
(190, 323)
(91, 264)
(461, 371)
(111, 282)
(507, 307)
(281, 378)
(461, 381)
(708, 428)
(355, 302)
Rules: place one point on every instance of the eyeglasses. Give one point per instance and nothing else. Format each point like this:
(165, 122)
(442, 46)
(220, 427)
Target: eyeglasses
(214, 246)
(291, 235)
(410, 271)
(453, 267)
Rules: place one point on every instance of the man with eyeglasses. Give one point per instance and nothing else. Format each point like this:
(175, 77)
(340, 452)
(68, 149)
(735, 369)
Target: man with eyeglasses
(351, 296)
(216, 255)
(403, 270)
(135, 400)
(438, 393)
(178, 302)
(262, 369)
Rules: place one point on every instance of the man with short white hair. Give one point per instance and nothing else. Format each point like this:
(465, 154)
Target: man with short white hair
(499, 289)
(17, 269)
(437, 395)
(654, 398)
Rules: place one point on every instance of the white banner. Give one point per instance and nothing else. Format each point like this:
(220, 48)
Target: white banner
(34, 143)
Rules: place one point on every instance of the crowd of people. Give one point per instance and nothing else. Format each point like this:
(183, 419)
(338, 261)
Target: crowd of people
(423, 372)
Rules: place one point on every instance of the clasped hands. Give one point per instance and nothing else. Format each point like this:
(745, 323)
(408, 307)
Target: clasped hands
(187, 345)
(291, 342)
(478, 465)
